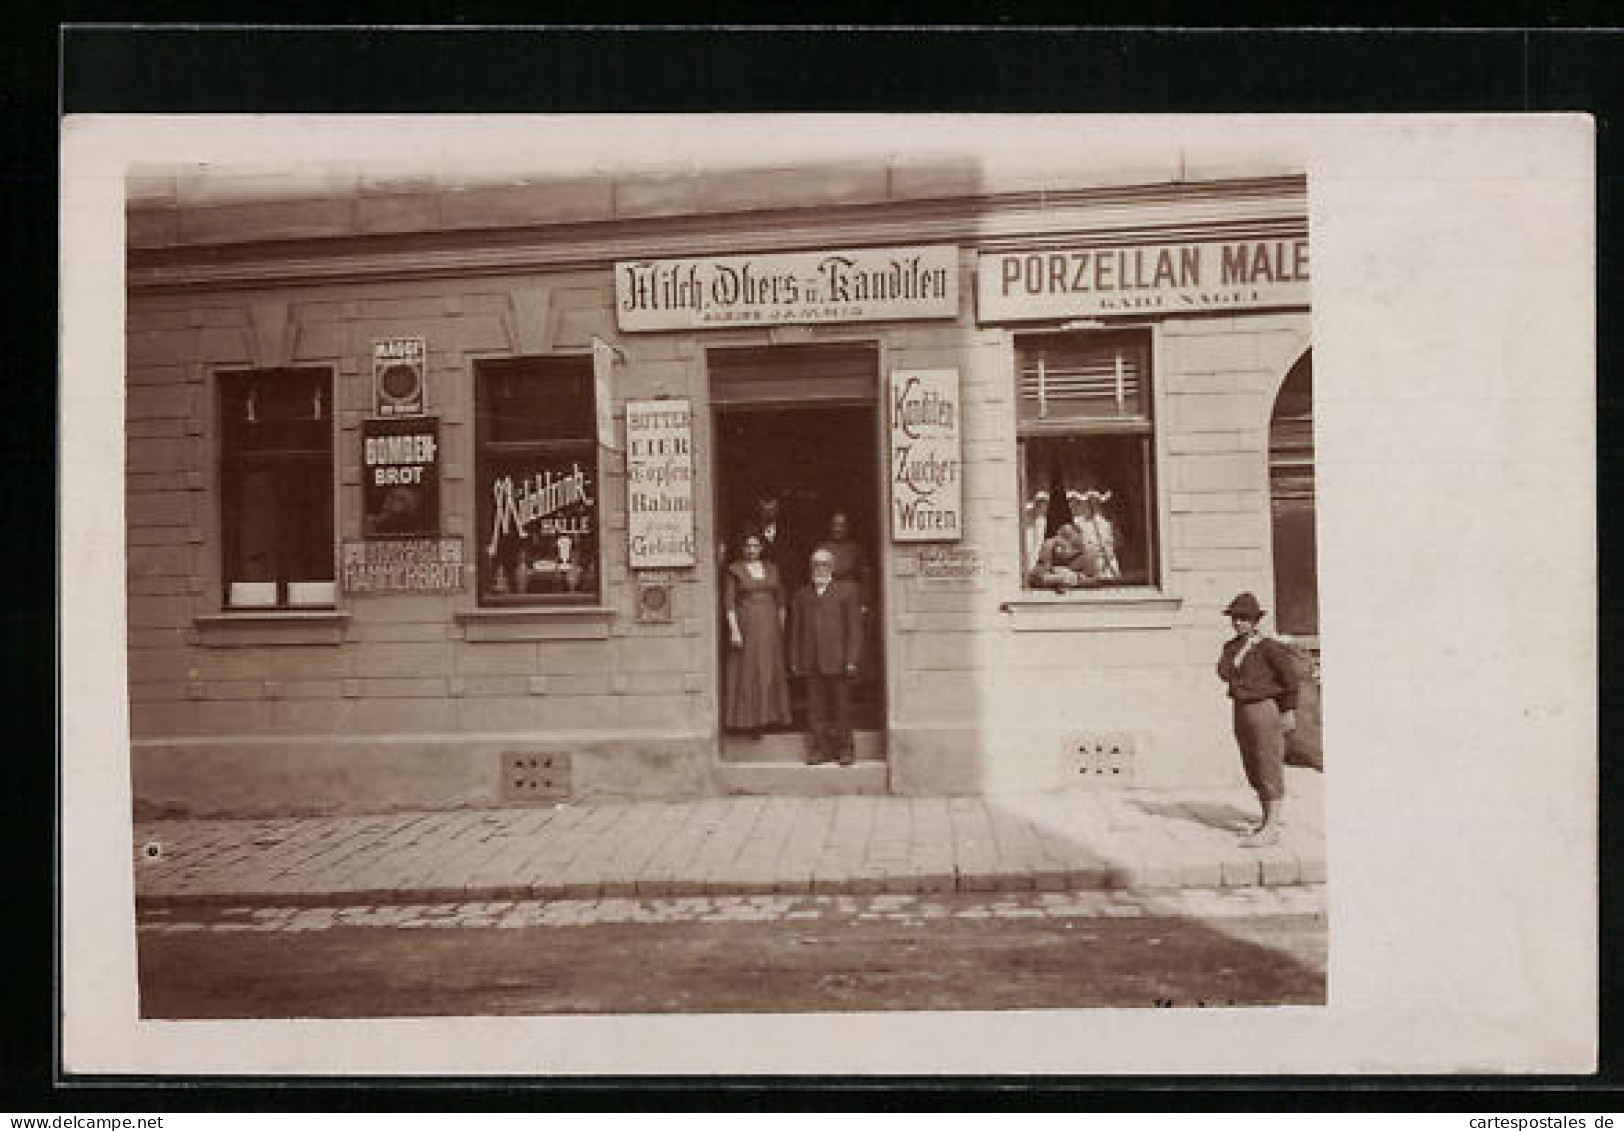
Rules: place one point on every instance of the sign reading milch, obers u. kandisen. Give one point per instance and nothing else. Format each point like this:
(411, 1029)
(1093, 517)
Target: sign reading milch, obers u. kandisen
(927, 482)
(659, 484)
(849, 285)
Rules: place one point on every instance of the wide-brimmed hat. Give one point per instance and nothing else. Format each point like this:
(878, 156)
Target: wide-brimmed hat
(1244, 605)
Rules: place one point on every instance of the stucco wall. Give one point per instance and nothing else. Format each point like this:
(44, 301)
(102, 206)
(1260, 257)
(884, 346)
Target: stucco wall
(400, 665)
(988, 688)
(992, 699)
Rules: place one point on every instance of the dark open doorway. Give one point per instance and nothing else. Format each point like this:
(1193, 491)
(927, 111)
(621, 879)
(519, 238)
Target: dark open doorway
(817, 455)
(1291, 496)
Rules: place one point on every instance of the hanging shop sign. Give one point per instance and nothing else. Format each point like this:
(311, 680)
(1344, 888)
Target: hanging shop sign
(402, 565)
(603, 389)
(854, 285)
(659, 484)
(541, 512)
(398, 366)
(400, 477)
(1177, 278)
(927, 482)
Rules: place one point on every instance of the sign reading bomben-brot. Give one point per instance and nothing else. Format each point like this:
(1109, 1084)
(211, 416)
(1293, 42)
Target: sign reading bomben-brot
(927, 485)
(1147, 279)
(853, 285)
(400, 466)
(659, 484)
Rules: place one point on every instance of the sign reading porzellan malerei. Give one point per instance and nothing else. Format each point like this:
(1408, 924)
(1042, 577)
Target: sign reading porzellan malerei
(927, 484)
(1178, 278)
(852, 285)
(659, 484)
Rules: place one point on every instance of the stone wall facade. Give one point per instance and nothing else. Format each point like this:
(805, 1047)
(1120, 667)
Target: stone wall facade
(406, 701)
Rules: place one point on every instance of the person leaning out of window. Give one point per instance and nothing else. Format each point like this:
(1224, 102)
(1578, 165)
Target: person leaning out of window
(1082, 550)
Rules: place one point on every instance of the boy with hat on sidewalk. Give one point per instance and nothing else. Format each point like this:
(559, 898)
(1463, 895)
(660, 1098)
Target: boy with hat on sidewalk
(1262, 678)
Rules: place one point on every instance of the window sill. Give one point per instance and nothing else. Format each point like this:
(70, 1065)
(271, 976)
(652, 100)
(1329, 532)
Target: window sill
(537, 622)
(244, 628)
(1092, 610)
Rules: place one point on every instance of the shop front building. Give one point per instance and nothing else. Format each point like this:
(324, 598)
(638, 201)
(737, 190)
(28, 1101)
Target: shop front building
(433, 488)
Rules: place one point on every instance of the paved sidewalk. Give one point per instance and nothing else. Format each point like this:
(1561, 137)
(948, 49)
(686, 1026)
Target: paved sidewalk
(1072, 840)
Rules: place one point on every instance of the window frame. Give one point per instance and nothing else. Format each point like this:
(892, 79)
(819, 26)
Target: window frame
(1151, 461)
(230, 465)
(487, 451)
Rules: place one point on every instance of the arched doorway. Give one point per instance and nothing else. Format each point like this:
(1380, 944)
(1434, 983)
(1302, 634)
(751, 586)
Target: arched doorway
(1291, 498)
(1296, 579)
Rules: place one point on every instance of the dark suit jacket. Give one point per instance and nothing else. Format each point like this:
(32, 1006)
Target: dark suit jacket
(826, 633)
(1269, 671)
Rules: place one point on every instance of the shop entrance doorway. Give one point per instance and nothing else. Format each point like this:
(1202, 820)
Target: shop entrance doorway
(800, 426)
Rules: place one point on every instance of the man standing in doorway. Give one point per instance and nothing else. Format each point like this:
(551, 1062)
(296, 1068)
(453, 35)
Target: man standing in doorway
(826, 636)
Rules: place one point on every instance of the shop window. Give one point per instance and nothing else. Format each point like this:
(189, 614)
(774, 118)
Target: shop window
(276, 488)
(537, 483)
(1087, 460)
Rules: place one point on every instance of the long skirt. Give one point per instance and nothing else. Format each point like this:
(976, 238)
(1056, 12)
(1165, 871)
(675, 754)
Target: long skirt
(757, 690)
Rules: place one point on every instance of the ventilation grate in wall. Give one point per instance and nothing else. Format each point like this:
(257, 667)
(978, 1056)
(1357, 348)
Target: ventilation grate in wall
(531, 775)
(1101, 758)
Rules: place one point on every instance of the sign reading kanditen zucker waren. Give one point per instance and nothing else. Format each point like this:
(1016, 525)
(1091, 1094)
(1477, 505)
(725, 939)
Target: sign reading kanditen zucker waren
(927, 485)
(402, 565)
(1141, 279)
(852, 285)
(659, 484)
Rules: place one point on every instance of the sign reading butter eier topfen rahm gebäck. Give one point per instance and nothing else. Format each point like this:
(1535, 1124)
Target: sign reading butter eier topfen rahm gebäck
(927, 484)
(659, 484)
(849, 285)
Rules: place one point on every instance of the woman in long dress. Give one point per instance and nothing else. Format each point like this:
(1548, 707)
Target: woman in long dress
(757, 691)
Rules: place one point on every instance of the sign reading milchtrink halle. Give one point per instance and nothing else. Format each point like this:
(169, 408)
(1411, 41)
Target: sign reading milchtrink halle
(853, 285)
(659, 484)
(927, 484)
(1179, 278)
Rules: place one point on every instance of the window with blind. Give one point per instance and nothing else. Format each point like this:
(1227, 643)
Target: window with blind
(276, 488)
(537, 481)
(1087, 459)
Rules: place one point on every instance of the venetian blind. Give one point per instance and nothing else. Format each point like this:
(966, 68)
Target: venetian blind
(1082, 377)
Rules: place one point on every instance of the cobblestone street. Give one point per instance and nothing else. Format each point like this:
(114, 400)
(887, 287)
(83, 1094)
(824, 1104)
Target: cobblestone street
(746, 953)
(906, 910)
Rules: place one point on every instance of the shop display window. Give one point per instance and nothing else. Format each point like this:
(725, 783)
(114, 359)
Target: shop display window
(537, 482)
(276, 488)
(1087, 460)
